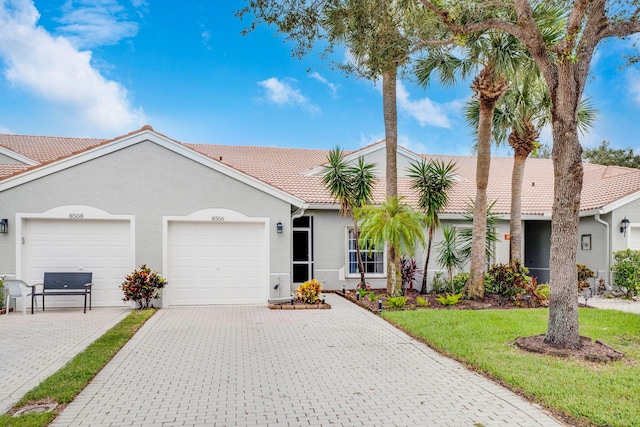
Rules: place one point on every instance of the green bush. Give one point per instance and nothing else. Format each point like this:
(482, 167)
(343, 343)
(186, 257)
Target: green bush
(372, 296)
(627, 271)
(396, 302)
(439, 283)
(542, 291)
(507, 281)
(422, 302)
(449, 299)
(459, 280)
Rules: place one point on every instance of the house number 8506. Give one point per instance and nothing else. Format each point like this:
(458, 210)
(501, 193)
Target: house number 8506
(76, 216)
(217, 218)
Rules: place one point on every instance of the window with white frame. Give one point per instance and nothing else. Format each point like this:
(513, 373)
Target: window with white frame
(373, 259)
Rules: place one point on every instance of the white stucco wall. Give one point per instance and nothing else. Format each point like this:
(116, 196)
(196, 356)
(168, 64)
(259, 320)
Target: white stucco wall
(148, 181)
(330, 248)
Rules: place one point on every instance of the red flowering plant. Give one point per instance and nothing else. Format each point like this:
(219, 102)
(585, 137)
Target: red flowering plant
(142, 286)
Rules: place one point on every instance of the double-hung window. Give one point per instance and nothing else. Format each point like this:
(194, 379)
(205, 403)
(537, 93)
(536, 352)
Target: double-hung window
(373, 259)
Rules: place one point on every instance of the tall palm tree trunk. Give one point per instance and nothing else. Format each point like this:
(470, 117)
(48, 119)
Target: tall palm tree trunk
(391, 139)
(515, 223)
(390, 130)
(489, 89)
(423, 289)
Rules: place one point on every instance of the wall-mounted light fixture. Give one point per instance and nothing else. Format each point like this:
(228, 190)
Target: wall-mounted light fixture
(4, 225)
(624, 224)
(279, 227)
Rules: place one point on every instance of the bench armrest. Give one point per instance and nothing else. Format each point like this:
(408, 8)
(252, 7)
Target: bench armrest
(88, 285)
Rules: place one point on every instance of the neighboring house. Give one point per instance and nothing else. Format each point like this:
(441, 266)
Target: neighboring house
(244, 225)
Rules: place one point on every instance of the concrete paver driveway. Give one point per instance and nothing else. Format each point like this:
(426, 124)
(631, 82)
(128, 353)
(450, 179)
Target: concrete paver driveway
(251, 366)
(32, 347)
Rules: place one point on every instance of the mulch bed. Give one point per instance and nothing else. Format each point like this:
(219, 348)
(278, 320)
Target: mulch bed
(491, 301)
(591, 351)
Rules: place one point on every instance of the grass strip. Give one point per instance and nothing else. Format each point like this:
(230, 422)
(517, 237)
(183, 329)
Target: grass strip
(589, 393)
(64, 385)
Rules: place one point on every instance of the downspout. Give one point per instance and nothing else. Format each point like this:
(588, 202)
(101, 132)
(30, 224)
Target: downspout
(607, 248)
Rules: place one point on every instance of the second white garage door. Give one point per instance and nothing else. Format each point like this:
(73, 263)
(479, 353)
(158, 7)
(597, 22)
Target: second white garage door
(216, 263)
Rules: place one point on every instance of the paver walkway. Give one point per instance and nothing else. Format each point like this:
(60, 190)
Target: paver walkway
(613, 304)
(32, 347)
(251, 366)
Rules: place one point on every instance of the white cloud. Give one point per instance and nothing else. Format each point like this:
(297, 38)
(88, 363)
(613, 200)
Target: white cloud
(332, 87)
(90, 23)
(283, 93)
(633, 80)
(206, 38)
(366, 140)
(425, 111)
(53, 69)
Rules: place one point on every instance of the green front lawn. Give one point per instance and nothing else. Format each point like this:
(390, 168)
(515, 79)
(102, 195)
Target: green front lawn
(604, 394)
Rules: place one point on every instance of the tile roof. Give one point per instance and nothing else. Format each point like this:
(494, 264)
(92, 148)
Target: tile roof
(289, 170)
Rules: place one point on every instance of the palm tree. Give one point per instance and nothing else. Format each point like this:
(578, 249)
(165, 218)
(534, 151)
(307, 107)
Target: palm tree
(498, 55)
(350, 186)
(466, 234)
(449, 255)
(397, 225)
(433, 180)
(520, 114)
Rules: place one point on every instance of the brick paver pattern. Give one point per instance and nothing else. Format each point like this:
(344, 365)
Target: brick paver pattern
(251, 366)
(32, 347)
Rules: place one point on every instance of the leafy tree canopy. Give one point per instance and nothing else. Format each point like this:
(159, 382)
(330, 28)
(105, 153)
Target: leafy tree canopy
(605, 155)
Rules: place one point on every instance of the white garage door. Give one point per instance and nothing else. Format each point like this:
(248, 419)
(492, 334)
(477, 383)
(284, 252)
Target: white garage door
(216, 263)
(102, 247)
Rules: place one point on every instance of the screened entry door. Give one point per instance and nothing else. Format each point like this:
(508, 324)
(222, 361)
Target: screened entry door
(302, 249)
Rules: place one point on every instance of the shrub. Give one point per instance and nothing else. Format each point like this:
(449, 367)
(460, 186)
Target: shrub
(627, 271)
(408, 269)
(584, 274)
(422, 302)
(459, 281)
(309, 291)
(439, 283)
(536, 292)
(142, 286)
(372, 296)
(507, 281)
(396, 302)
(449, 299)
(361, 292)
(542, 291)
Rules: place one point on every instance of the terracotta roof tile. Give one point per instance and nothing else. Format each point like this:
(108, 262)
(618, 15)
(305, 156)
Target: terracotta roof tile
(44, 149)
(287, 169)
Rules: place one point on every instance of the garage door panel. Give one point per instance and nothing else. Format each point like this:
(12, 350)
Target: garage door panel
(216, 263)
(102, 247)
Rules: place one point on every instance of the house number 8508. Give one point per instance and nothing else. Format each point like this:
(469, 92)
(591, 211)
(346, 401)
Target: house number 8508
(76, 216)
(217, 218)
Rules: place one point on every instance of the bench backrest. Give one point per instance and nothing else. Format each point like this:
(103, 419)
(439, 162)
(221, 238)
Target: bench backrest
(73, 280)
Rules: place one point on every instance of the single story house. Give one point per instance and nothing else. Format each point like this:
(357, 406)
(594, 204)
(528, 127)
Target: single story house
(244, 225)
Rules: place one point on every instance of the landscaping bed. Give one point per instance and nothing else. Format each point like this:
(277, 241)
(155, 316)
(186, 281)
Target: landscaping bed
(491, 301)
(299, 305)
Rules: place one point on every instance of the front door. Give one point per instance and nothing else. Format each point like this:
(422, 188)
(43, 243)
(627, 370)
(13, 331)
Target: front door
(302, 249)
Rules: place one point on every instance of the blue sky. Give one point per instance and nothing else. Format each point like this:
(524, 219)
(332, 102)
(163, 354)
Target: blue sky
(102, 68)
